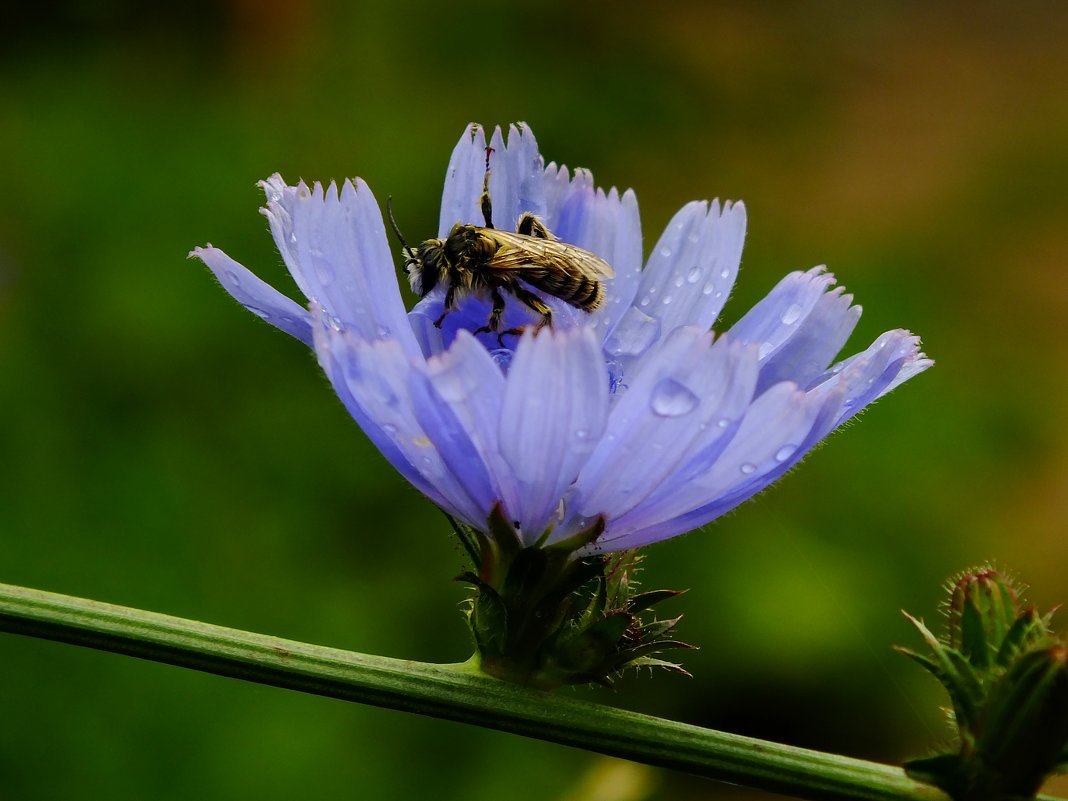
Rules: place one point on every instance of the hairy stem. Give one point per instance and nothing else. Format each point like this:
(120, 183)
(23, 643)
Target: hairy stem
(453, 692)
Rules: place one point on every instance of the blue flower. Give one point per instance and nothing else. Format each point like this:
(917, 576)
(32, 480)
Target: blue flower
(637, 414)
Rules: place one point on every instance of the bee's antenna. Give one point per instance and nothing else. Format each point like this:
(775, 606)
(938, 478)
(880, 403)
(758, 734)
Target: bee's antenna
(396, 230)
(484, 201)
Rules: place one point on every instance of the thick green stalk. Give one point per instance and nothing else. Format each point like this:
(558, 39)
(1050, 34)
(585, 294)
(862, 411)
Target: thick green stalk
(454, 692)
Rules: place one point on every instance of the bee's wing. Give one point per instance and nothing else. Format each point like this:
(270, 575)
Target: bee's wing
(521, 252)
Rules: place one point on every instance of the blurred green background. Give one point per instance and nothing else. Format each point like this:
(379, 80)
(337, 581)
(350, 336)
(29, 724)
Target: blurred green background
(161, 448)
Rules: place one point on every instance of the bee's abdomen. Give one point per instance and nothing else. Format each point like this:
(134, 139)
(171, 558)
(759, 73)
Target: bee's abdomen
(588, 294)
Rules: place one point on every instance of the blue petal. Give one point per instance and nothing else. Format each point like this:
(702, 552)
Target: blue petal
(516, 177)
(452, 440)
(468, 380)
(814, 341)
(693, 266)
(775, 319)
(893, 358)
(685, 401)
(256, 295)
(776, 429)
(374, 381)
(463, 181)
(335, 246)
(555, 404)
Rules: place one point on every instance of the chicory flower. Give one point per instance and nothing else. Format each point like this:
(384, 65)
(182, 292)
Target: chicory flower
(557, 452)
(637, 414)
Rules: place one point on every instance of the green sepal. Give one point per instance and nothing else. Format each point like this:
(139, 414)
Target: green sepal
(947, 772)
(544, 616)
(953, 670)
(1007, 678)
(1025, 729)
(646, 600)
(1029, 631)
(982, 609)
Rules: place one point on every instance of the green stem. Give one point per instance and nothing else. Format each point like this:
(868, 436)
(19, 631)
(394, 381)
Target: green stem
(453, 692)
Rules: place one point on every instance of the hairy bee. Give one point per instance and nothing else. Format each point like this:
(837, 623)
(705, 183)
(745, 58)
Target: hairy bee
(487, 262)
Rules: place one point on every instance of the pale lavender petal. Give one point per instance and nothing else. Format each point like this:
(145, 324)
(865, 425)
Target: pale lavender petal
(773, 321)
(816, 339)
(334, 243)
(451, 439)
(692, 267)
(256, 295)
(516, 177)
(336, 355)
(471, 383)
(774, 429)
(619, 242)
(554, 410)
(463, 181)
(872, 373)
(376, 378)
(685, 399)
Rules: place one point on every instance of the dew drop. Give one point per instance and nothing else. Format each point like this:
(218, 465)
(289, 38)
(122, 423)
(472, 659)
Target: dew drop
(323, 272)
(292, 238)
(672, 399)
(665, 252)
(679, 282)
(708, 288)
(725, 273)
(644, 303)
(792, 314)
(389, 428)
(582, 433)
(785, 452)
(748, 468)
(383, 332)
(667, 300)
(723, 422)
(764, 349)
(694, 275)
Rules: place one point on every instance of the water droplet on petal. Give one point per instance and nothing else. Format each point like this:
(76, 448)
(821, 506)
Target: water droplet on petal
(708, 288)
(672, 399)
(644, 303)
(292, 238)
(725, 272)
(582, 433)
(723, 422)
(785, 452)
(679, 282)
(667, 300)
(389, 428)
(694, 275)
(502, 357)
(665, 252)
(748, 468)
(792, 314)
(764, 349)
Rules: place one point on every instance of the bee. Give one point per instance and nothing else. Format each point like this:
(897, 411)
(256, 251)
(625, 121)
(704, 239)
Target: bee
(488, 262)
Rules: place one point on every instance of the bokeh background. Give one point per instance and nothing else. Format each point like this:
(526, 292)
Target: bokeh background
(160, 448)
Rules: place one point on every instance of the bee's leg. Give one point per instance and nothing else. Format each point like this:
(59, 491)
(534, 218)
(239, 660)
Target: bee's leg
(450, 303)
(531, 300)
(484, 201)
(531, 225)
(494, 322)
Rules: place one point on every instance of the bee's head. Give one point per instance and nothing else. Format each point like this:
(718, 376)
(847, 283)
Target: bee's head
(425, 265)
